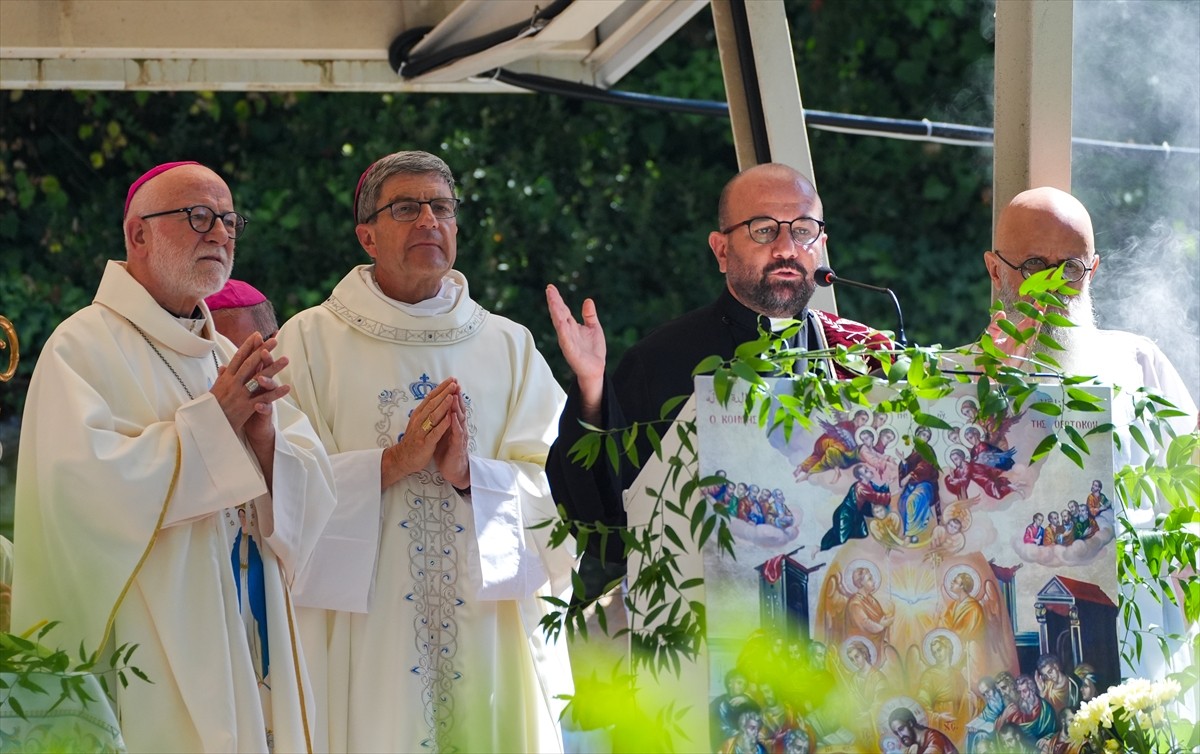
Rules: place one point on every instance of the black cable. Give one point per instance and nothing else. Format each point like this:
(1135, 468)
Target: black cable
(410, 67)
(857, 124)
(549, 85)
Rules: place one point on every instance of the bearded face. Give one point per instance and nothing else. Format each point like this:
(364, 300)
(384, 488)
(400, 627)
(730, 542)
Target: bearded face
(1073, 339)
(1028, 701)
(773, 296)
(189, 270)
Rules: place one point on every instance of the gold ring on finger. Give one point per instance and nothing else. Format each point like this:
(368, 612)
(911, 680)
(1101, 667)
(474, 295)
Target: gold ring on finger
(427, 425)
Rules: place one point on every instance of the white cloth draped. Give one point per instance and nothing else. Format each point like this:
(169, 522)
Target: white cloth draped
(105, 422)
(432, 600)
(1130, 361)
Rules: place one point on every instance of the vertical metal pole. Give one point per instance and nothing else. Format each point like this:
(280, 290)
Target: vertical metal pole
(1033, 98)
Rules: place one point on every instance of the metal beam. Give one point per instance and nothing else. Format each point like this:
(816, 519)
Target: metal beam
(314, 45)
(1033, 98)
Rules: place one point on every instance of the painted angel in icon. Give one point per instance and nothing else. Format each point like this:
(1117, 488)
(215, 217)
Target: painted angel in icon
(836, 448)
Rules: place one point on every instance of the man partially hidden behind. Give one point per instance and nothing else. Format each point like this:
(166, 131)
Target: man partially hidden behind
(437, 416)
(240, 309)
(772, 237)
(1046, 227)
(146, 439)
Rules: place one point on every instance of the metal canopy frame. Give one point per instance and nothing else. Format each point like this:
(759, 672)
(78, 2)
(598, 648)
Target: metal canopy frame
(342, 45)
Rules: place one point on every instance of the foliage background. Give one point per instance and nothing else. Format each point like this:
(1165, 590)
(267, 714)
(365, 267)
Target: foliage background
(604, 201)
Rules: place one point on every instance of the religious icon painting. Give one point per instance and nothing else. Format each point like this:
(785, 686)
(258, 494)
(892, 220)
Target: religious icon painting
(885, 599)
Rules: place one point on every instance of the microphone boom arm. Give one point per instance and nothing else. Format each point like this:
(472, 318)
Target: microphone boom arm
(825, 277)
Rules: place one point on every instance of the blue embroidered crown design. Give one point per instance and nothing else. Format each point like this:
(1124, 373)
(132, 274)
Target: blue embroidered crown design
(421, 387)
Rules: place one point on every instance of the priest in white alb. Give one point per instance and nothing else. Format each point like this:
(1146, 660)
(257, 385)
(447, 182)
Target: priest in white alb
(165, 496)
(437, 416)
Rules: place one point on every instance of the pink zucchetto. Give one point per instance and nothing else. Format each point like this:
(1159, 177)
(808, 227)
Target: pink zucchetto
(235, 295)
(358, 190)
(153, 172)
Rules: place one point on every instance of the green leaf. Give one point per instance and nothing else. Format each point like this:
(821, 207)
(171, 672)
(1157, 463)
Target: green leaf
(1058, 319)
(654, 439)
(709, 524)
(670, 405)
(1139, 438)
(15, 704)
(1076, 438)
(1048, 342)
(610, 447)
(1047, 408)
(929, 420)
(1043, 448)
(746, 373)
(1073, 454)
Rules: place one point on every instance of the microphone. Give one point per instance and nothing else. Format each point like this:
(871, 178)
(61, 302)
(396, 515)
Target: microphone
(825, 277)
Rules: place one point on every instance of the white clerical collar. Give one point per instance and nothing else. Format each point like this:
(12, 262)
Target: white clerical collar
(194, 326)
(781, 324)
(442, 302)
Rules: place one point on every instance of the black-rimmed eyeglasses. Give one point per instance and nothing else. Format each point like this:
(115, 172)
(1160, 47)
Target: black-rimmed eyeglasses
(202, 219)
(407, 210)
(804, 230)
(1073, 269)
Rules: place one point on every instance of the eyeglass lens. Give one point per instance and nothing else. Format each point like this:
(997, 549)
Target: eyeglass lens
(406, 212)
(766, 229)
(202, 220)
(1072, 269)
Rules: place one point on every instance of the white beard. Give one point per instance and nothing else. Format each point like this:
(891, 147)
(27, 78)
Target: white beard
(173, 267)
(1078, 342)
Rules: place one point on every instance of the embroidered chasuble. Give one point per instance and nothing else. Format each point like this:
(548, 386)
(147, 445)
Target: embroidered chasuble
(432, 597)
(108, 424)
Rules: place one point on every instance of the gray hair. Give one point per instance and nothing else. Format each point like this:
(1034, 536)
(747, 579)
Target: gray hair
(399, 163)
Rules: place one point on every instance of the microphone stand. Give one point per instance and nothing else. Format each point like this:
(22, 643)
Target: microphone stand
(825, 277)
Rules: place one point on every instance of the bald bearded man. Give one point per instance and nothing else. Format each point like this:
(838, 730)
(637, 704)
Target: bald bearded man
(1046, 227)
(152, 453)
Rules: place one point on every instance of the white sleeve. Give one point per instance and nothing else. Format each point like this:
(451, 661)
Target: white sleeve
(509, 568)
(340, 575)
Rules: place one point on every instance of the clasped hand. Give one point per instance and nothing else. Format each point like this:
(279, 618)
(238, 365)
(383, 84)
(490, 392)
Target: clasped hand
(437, 431)
(247, 410)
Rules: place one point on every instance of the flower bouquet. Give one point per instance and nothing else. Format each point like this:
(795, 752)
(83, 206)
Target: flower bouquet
(1133, 717)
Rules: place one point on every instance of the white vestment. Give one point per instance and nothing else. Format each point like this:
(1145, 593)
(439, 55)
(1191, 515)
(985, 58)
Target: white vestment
(1130, 361)
(433, 598)
(108, 429)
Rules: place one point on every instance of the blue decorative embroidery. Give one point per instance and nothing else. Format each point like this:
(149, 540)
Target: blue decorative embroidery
(433, 557)
(422, 387)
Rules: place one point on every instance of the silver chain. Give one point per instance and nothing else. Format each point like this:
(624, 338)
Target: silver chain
(157, 352)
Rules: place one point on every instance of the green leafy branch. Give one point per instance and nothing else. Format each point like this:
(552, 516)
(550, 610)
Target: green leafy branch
(666, 624)
(23, 659)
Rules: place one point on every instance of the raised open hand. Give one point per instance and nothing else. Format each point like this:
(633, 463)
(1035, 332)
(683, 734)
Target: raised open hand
(583, 347)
